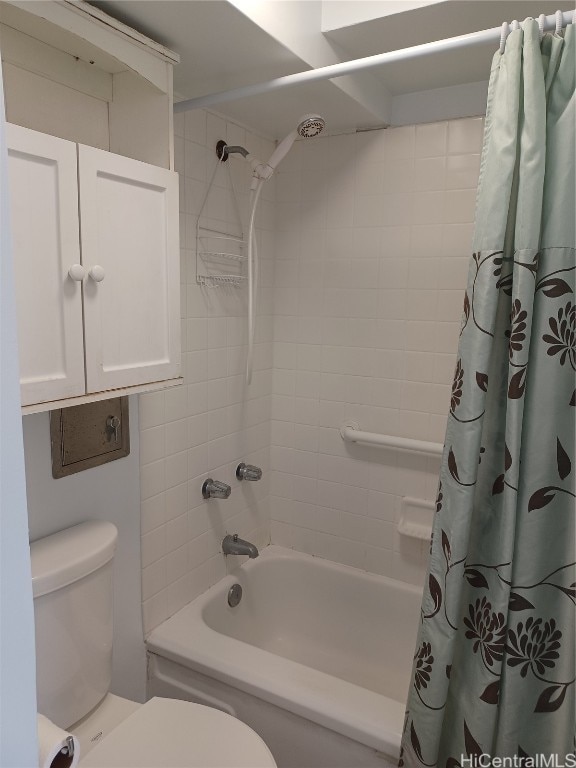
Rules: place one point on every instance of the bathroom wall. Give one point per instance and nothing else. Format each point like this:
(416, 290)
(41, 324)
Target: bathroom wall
(365, 241)
(372, 245)
(18, 743)
(205, 427)
(109, 492)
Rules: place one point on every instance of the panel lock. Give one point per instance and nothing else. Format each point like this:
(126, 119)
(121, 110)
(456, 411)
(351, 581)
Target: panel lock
(112, 427)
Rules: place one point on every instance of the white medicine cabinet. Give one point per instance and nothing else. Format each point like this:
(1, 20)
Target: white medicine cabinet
(97, 268)
(94, 204)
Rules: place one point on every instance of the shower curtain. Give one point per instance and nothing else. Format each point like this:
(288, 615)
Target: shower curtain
(494, 667)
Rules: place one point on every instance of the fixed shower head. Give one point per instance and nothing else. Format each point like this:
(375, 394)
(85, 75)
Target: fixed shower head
(310, 126)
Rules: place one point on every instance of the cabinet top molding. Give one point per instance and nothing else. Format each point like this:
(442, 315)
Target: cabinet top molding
(91, 34)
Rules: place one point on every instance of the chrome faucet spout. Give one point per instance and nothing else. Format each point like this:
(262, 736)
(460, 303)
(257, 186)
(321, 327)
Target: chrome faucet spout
(232, 545)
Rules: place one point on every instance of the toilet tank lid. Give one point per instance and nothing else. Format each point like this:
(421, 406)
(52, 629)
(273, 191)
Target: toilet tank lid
(71, 554)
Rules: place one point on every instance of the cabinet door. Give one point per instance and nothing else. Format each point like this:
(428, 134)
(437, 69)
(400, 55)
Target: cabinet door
(129, 224)
(44, 216)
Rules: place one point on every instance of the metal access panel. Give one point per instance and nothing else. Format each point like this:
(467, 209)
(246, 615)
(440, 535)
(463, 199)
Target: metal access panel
(85, 436)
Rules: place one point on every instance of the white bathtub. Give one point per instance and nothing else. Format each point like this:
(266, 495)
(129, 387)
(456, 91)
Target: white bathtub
(316, 657)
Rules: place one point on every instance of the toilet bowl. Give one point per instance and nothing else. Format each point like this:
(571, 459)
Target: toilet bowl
(73, 587)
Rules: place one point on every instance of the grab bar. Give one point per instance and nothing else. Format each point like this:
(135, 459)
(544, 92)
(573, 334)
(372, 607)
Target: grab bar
(351, 433)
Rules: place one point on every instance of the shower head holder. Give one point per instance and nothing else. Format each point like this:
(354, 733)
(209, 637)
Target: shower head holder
(224, 150)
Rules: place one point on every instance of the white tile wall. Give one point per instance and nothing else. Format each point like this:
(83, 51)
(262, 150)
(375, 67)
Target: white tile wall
(373, 242)
(212, 422)
(365, 241)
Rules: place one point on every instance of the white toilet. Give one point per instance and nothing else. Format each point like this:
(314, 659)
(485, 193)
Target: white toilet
(73, 594)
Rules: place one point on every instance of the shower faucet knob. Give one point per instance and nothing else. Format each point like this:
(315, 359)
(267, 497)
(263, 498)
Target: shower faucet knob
(214, 489)
(248, 472)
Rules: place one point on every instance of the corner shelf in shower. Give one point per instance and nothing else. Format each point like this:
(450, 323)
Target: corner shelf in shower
(220, 255)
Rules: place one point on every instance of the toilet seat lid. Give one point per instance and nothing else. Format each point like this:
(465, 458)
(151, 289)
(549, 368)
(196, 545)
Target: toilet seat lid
(168, 733)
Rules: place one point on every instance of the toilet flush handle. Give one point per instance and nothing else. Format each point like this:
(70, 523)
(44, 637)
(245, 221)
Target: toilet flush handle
(69, 746)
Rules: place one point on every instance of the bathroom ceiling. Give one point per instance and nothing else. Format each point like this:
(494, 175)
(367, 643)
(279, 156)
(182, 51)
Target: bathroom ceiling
(225, 45)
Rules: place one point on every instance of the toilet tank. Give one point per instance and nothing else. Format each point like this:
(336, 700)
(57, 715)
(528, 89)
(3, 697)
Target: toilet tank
(73, 602)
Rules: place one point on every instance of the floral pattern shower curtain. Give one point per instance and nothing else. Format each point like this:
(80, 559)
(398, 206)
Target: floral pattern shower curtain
(494, 668)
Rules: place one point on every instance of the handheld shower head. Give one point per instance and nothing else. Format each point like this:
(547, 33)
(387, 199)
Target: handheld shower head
(310, 126)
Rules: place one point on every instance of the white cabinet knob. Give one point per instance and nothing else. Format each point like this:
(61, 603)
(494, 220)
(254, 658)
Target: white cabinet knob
(97, 273)
(77, 272)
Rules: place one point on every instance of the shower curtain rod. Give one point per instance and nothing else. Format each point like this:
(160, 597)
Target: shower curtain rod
(349, 67)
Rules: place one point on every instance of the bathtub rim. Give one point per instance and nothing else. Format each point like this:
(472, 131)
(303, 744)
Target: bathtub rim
(363, 715)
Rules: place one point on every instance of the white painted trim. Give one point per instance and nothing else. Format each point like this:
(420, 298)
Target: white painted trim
(160, 50)
(33, 55)
(97, 396)
(98, 31)
(57, 10)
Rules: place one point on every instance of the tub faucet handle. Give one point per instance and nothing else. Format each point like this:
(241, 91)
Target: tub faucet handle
(248, 472)
(215, 489)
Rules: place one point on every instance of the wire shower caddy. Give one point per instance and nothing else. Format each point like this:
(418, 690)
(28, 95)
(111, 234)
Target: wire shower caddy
(220, 247)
